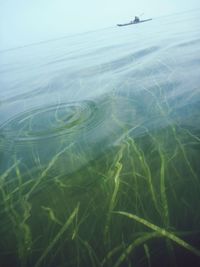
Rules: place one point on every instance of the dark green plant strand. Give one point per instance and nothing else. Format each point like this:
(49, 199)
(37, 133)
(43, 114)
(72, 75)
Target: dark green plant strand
(161, 232)
(57, 237)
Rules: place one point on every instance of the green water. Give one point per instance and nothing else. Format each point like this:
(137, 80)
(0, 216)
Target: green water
(137, 202)
(100, 148)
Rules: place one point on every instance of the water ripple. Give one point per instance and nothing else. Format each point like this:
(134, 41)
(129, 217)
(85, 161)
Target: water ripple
(52, 121)
(84, 129)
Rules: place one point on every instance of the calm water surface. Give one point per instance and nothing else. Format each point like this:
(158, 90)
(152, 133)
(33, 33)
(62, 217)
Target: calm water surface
(83, 94)
(77, 83)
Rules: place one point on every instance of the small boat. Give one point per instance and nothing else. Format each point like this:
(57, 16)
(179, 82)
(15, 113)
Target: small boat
(133, 22)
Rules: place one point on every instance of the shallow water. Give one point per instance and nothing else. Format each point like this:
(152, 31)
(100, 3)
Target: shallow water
(68, 109)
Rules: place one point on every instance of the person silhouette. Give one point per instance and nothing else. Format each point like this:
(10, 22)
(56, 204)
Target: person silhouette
(136, 20)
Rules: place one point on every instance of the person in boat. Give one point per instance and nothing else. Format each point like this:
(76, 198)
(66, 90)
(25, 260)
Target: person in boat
(136, 20)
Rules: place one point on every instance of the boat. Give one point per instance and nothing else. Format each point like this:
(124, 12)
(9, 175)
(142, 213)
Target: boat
(133, 22)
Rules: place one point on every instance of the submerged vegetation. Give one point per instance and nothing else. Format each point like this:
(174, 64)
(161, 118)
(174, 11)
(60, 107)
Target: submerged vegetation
(134, 204)
(100, 148)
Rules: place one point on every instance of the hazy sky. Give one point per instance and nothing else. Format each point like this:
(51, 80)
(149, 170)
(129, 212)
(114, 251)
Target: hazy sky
(26, 21)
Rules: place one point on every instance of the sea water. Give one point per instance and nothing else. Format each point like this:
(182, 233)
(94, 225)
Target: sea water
(69, 106)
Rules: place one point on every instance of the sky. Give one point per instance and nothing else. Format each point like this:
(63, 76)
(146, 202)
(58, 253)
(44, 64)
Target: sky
(24, 22)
